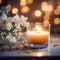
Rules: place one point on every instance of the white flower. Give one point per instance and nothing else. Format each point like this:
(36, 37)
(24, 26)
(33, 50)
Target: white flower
(11, 38)
(17, 26)
(15, 30)
(19, 35)
(8, 37)
(27, 25)
(23, 21)
(17, 17)
(9, 26)
(23, 18)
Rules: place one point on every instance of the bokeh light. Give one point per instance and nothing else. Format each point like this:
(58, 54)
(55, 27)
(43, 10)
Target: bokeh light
(29, 1)
(44, 8)
(37, 13)
(25, 9)
(46, 17)
(50, 8)
(23, 2)
(56, 21)
(56, 12)
(14, 10)
(58, 8)
(44, 3)
(0, 1)
(46, 22)
(47, 13)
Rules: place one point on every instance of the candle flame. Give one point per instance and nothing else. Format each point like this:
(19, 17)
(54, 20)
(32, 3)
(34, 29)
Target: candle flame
(38, 28)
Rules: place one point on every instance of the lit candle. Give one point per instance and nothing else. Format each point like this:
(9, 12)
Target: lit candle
(37, 36)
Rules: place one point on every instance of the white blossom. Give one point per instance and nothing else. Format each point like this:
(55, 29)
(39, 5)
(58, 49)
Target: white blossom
(23, 19)
(17, 26)
(15, 35)
(9, 26)
(15, 30)
(17, 17)
(11, 38)
(19, 35)
(8, 37)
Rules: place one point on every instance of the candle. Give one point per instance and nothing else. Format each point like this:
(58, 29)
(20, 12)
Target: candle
(37, 37)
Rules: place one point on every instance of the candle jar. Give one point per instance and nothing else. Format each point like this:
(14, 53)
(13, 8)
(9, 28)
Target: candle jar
(38, 35)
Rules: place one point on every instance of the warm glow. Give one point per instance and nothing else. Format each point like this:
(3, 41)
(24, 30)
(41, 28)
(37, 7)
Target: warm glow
(29, 1)
(38, 23)
(37, 13)
(44, 8)
(38, 54)
(45, 22)
(47, 13)
(46, 17)
(25, 9)
(56, 21)
(50, 8)
(56, 12)
(23, 2)
(14, 10)
(47, 8)
(58, 8)
(0, 1)
(44, 3)
(38, 28)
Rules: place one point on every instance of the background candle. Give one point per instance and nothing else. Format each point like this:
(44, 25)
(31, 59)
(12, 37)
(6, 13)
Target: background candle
(37, 37)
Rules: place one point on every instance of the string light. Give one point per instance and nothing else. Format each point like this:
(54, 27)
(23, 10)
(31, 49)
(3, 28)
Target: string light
(25, 9)
(56, 21)
(14, 10)
(37, 13)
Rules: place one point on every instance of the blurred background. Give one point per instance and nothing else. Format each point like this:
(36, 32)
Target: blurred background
(45, 11)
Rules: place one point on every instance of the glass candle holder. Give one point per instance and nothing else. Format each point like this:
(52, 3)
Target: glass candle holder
(38, 35)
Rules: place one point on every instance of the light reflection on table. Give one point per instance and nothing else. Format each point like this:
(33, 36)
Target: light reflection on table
(40, 54)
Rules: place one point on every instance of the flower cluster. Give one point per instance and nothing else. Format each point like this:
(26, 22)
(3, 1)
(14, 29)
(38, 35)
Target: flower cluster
(12, 29)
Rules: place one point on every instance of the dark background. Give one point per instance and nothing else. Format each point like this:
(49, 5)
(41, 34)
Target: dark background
(35, 5)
